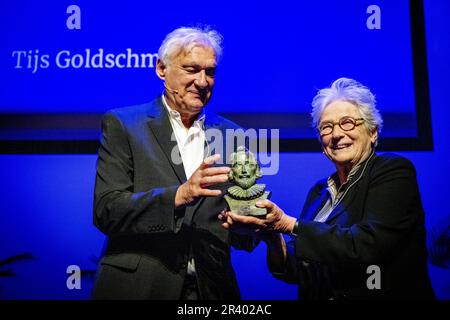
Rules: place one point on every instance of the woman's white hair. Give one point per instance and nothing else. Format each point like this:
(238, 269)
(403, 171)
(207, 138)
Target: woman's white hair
(186, 38)
(350, 90)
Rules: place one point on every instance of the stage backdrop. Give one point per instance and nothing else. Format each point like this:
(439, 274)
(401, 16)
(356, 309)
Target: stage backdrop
(65, 63)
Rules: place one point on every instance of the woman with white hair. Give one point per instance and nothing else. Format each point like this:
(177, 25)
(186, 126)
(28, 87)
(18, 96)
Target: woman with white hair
(361, 232)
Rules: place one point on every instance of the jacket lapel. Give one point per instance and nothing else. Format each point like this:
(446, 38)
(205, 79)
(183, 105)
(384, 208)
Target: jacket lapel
(342, 206)
(351, 192)
(315, 207)
(213, 123)
(161, 128)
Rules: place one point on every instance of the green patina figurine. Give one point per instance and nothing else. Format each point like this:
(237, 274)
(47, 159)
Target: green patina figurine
(241, 197)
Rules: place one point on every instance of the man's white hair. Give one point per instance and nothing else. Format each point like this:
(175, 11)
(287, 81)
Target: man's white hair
(186, 38)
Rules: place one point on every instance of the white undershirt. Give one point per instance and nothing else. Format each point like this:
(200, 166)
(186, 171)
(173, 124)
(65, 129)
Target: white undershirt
(191, 143)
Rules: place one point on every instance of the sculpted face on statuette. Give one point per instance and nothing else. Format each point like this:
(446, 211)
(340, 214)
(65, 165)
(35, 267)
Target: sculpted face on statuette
(241, 197)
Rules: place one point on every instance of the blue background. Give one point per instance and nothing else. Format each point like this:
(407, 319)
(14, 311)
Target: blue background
(276, 56)
(46, 200)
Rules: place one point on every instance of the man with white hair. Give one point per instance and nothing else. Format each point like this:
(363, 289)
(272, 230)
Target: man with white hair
(160, 216)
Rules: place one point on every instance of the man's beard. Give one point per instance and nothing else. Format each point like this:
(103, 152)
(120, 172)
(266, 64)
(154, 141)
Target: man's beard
(245, 183)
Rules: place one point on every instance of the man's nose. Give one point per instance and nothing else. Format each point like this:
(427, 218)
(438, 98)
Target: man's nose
(200, 81)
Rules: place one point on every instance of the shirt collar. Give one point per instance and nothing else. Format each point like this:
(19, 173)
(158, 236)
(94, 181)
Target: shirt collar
(334, 178)
(175, 115)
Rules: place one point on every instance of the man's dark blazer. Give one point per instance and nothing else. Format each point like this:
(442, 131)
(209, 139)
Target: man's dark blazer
(380, 221)
(149, 242)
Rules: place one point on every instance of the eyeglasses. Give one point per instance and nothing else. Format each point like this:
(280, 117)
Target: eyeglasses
(345, 123)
